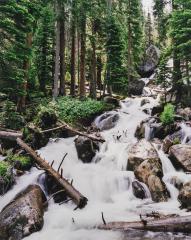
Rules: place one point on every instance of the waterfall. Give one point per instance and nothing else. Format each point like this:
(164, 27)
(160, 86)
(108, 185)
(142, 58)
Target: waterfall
(105, 182)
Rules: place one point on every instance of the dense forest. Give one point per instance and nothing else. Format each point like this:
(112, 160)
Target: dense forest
(107, 85)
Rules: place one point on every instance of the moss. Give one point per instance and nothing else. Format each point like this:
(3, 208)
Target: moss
(20, 162)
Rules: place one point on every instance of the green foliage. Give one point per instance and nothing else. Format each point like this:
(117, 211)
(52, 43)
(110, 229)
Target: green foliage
(47, 115)
(71, 110)
(10, 118)
(5, 171)
(21, 162)
(167, 116)
(176, 141)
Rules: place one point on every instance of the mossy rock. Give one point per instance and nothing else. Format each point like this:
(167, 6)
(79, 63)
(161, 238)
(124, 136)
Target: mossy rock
(6, 177)
(20, 162)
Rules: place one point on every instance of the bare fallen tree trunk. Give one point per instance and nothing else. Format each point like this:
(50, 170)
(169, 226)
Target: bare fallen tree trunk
(10, 135)
(66, 126)
(75, 195)
(170, 224)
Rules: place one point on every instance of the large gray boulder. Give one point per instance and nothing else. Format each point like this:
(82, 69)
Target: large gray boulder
(139, 152)
(180, 155)
(150, 61)
(184, 196)
(24, 215)
(107, 120)
(86, 148)
(136, 87)
(150, 172)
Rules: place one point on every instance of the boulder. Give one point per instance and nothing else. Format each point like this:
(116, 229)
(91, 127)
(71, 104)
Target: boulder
(147, 111)
(185, 113)
(23, 215)
(184, 196)
(180, 155)
(51, 187)
(145, 101)
(136, 87)
(107, 120)
(157, 110)
(171, 140)
(150, 172)
(139, 190)
(111, 100)
(139, 152)
(177, 182)
(86, 148)
(150, 61)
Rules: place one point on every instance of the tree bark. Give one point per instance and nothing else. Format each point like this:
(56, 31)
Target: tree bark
(73, 52)
(21, 104)
(62, 54)
(10, 135)
(170, 224)
(82, 57)
(57, 56)
(75, 195)
(99, 71)
(65, 126)
(93, 80)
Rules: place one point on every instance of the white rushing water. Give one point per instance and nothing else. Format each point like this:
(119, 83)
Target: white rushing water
(105, 183)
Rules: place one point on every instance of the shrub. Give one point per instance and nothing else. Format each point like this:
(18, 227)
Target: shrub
(71, 110)
(47, 115)
(20, 162)
(5, 171)
(167, 116)
(10, 118)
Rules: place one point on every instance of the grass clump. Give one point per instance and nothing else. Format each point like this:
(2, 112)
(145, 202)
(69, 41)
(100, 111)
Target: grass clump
(167, 116)
(4, 166)
(20, 162)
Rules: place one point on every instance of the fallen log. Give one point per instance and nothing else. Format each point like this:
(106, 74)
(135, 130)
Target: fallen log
(171, 224)
(10, 135)
(75, 195)
(66, 126)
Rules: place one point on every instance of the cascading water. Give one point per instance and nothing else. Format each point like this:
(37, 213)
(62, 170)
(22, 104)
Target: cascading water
(105, 182)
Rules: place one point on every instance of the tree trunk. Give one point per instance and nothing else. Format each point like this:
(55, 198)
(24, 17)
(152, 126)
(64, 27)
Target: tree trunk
(62, 54)
(73, 52)
(170, 224)
(82, 57)
(57, 56)
(99, 71)
(93, 79)
(10, 135)
(21, 104)
(75, 195)
(129, 44)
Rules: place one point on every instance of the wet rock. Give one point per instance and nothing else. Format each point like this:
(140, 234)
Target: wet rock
(138, 190)
(111, 100)
(147, 111)
(177, 182)
(157, 189)
(180, 155)
(51, 187)
(171, 140)
(150, 172)
(150, 61)
(107, 120)
(185, 113)
(24, 215)
(136, 87)
(184, 196)
(157, 110)
(139, 152)
(86, 148)
(145, 101)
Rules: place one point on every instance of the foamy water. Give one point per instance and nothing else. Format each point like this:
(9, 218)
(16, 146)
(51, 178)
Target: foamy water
(105, 182)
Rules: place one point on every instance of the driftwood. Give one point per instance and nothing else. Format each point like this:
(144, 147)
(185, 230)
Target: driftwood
(66, 126)
(76, 196)
(10, 135)
(169, 224)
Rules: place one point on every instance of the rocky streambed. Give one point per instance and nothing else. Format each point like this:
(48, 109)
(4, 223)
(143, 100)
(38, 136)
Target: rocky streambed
(141, 168)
